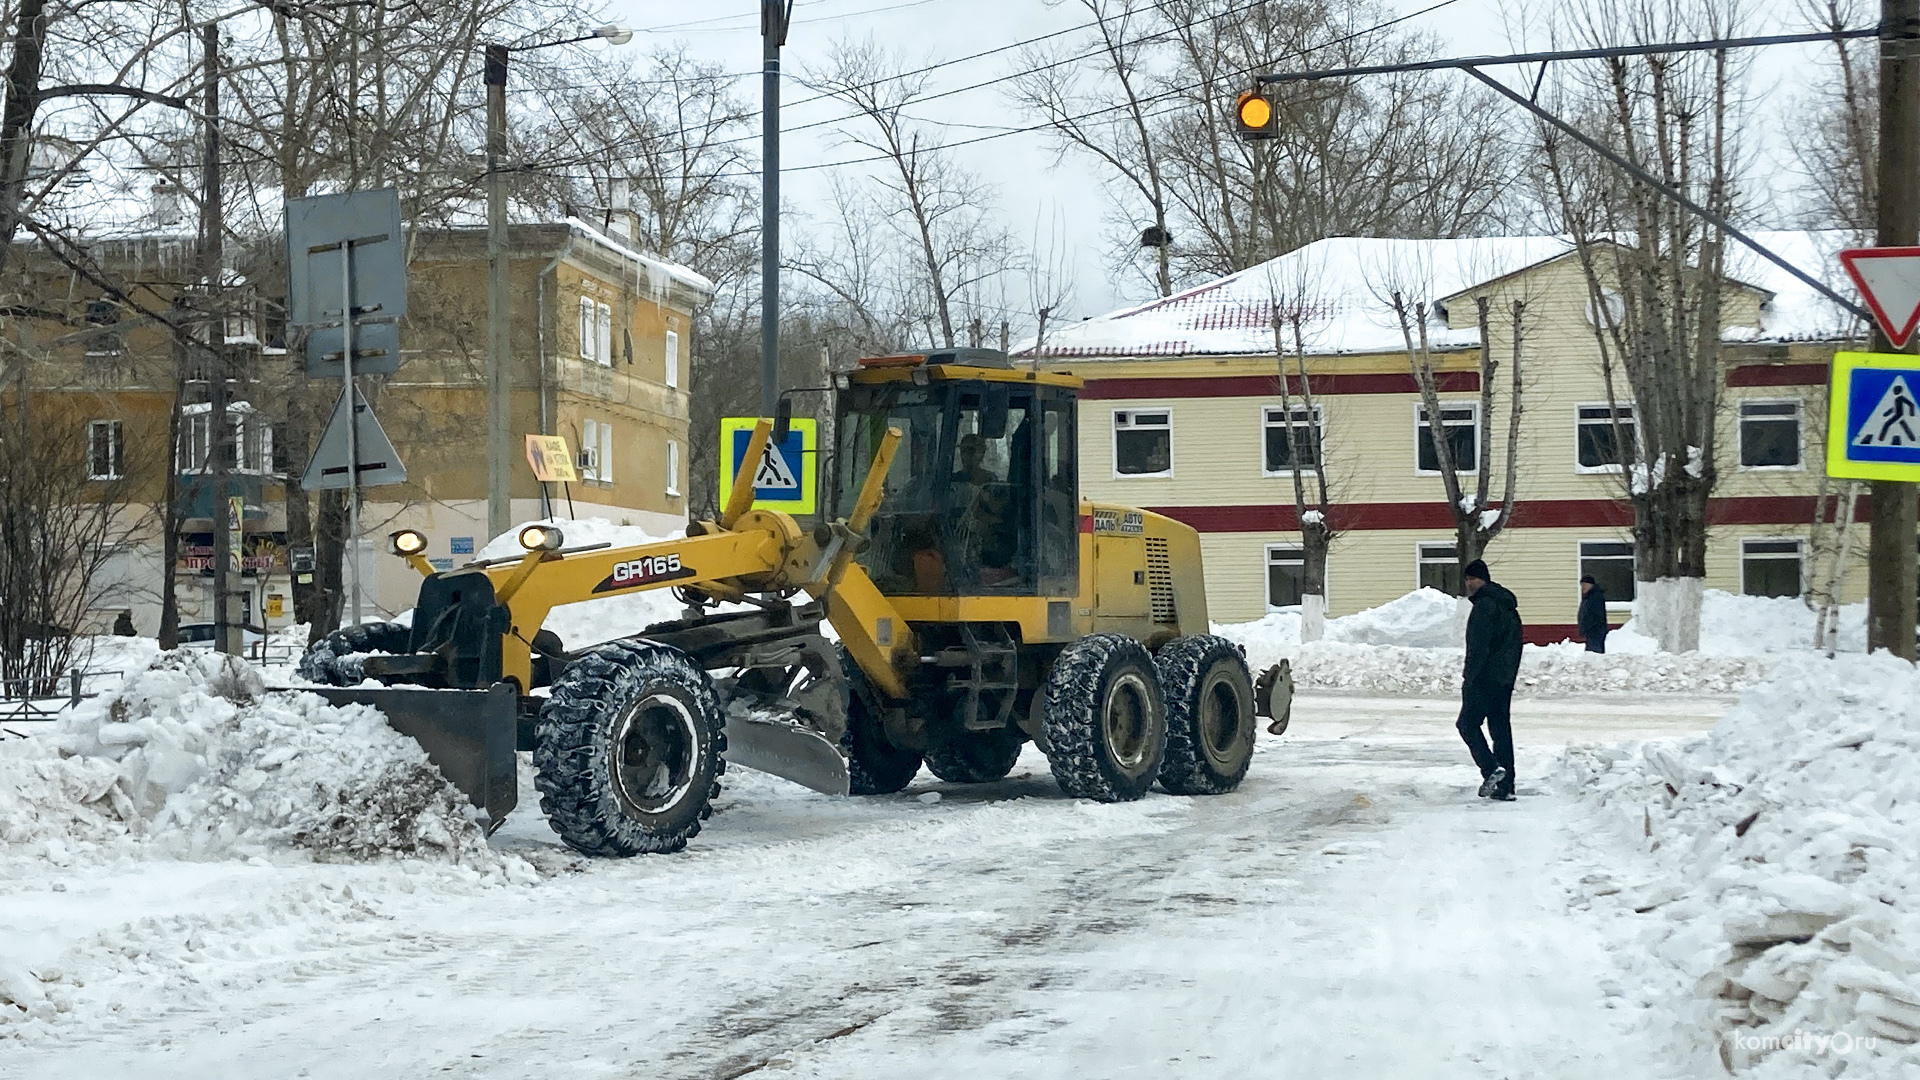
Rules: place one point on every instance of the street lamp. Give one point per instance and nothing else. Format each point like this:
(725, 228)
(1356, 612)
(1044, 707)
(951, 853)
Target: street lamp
(499, 343)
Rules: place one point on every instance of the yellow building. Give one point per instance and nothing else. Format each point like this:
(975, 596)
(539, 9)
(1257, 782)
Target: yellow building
(601, 352)
(1182, 414)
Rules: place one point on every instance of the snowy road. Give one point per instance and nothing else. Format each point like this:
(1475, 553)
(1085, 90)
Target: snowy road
(1351, 911)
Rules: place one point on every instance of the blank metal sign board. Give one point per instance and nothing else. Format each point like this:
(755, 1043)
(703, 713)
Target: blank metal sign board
(786, 478)
(379, 464)
(367, 223)
(1873, 421)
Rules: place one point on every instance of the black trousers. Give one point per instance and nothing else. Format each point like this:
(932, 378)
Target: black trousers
(1597, 642)
(1492, 706)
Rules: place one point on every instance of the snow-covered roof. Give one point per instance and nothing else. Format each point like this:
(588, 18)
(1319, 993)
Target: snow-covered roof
(654, 263)
(1343, 287)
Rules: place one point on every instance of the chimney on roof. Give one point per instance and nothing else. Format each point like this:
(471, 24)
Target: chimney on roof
(620, 221)
(166, 204)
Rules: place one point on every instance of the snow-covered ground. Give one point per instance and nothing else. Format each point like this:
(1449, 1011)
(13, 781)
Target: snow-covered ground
(1351, 911)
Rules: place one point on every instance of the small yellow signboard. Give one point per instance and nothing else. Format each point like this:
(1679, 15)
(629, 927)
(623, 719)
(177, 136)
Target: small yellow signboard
(787, 477)
(276, 605)
(552, 461)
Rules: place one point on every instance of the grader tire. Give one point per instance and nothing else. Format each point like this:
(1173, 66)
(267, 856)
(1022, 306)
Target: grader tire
(1106, 722)
(975, 757)
(874, 765)
(327, 663)
(627, 752)
(1210, 721)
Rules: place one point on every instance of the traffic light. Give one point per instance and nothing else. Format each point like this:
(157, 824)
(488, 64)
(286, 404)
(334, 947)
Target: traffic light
(1253, 116)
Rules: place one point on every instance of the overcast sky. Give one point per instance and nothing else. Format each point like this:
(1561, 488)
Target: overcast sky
(1038, 196)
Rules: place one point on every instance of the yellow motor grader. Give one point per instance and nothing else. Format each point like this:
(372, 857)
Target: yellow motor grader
(978, 602)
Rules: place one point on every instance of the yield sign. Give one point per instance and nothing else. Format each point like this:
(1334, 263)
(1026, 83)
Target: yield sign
(1889, 277)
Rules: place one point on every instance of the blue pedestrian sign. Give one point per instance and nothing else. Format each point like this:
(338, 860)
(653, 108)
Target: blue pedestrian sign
(1873, 417)
(786, 478)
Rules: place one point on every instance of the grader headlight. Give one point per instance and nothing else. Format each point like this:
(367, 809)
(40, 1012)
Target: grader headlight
(407, 542)
(541, 538)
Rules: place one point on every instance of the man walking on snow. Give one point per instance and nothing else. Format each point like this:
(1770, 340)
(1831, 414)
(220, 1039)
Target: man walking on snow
(1593, 614)
(1486, 691)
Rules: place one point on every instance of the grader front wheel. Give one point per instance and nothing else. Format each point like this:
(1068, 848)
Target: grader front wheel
(628, 750)
(1210, 715)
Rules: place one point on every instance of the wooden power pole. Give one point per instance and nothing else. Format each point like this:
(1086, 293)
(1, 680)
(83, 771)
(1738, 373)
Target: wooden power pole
(1891, 547)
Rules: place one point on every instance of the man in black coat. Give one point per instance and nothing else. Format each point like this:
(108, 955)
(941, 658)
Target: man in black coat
(1486, 691)
(1593, 614)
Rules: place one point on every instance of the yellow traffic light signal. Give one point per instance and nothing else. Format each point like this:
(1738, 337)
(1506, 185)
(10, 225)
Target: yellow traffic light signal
(1253, 116)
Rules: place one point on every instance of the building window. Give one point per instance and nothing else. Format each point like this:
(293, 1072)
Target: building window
(1462, 424)
(1770, 434)
(673, 358)
(1281, 456)
(1142, 442)
(196, 430)
(105, 343)
(603, 334)
(1286, 575)
(106, 450)
(586, 328)
(1770, 567)
(590, 450)
(673, 467)
(257, 435)
(1611, 564)
(1439, 568)
(1604, 437)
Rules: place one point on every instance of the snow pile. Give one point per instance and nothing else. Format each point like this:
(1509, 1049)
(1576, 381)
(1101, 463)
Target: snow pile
(1784, 921)
(191, 758)
(1422, 618)
(1735, 625)
(1544, 669)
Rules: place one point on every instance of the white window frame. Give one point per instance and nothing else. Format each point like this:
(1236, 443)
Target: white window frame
(1266, 570)
(1739, 443)
(1319, 422)
(1420, 558)
(1800, 546)
(116, 449)
(1580, 558)
(606, 452)
(673, 467)
(586, 328)
(590, 451)
(1602, 470)
(1419, 406)
(1113, 429)
(673, 358)
(603, 334)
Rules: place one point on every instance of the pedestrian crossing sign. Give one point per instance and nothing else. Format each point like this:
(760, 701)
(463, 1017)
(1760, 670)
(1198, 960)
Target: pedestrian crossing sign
(787, 477)
(1873, 417)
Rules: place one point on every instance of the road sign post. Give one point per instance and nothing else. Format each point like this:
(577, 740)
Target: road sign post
(787, 477)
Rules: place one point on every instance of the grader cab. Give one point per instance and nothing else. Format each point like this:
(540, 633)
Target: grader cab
(977, 600)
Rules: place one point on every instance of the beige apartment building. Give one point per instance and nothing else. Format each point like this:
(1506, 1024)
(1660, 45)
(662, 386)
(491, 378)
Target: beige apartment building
(601, 347)
(1182, 414)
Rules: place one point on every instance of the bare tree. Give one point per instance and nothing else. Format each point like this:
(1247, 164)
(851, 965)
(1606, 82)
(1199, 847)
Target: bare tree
(941, 211)
(1476, 522)
(1837, 150)
(1656, 273)
(1296, 311)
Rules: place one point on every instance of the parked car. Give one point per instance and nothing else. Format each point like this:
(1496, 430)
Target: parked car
(199, 635)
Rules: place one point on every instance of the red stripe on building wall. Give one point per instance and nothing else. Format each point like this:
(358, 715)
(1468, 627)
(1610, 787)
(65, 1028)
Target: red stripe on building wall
(1550, 633)
(1778, 375)
(1257, 386)
(1553, 514)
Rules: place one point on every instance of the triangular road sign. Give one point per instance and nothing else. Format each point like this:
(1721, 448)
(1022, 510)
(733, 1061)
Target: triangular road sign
(775, 474)
(379, 464)
(1889, 278)
(1895, 421)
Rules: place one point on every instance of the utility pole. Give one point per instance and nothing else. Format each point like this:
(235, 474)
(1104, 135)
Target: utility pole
(499, 341)
(1890, 547)
(219, 435)
(774, 17)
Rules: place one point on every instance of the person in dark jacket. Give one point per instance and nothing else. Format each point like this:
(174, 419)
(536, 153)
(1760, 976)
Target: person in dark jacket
(1486, 691)
(1593, 614)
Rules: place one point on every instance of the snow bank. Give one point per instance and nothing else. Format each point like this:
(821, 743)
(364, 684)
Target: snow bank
(192, 758)
(1422, 618)
(1736, 625)
(1783, 924)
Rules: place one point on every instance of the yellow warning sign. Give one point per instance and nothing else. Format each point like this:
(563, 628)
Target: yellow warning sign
(552, 461)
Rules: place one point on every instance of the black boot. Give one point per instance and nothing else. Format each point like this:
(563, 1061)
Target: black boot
(1492, 782)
